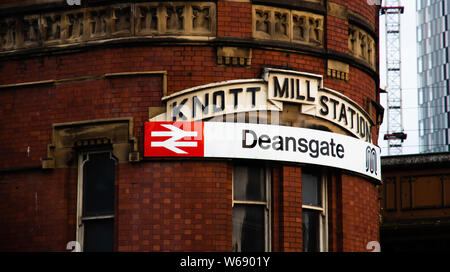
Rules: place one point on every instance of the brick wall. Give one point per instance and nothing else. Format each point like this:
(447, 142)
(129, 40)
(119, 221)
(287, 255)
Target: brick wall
(286, 209)
(28, 113)
(334, 188)
(187, 66)
(38, 210)
(174, 206)
(234, 19)
(161, 205)
(360, 213)
(291, 219)
(337, 34)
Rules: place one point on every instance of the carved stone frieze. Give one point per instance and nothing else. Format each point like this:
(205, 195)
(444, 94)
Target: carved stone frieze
(31, 34)
(8, 33)
(287, 25)
(74, 23)
(192, 18)
(107, 22)
(51, 27)
(262, 23)
(99, 22)
(362, 45)
(202, 18)
(175, 18)
(147, 20)
(121, 20)
(307, 28)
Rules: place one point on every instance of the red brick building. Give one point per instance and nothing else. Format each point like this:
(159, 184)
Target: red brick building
(78, 84)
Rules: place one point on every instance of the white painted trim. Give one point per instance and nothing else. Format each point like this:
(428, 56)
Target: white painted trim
(80, 225)
(212, 85)
(323, 219)
(267, 71)
(85, 218)
(266, 204)
(316, 208)
(80, 218)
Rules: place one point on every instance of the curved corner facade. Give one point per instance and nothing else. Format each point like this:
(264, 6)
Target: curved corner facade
(96, 102)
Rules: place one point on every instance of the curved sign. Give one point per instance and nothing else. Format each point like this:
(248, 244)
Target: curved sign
(269, 94)
(261, 142)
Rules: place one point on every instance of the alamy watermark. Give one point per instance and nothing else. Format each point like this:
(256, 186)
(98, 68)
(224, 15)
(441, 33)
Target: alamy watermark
(73, 246)
(373, 246)
(374, 2)
(73, 2)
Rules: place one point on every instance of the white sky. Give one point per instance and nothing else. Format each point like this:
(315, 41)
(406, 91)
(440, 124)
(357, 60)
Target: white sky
(409, 79)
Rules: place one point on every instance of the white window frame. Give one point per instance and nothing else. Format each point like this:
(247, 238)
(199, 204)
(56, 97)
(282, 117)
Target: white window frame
(267, 204)
(323, 219)
(83, 157)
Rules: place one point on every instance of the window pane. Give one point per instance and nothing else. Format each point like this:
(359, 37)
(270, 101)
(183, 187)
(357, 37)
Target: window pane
(98, 235)
(311, 233)
(98, 182)
(249, 183)
(312, 192)
(248, 228)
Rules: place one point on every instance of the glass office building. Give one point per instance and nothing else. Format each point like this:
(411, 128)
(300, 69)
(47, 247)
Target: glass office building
(433, 26)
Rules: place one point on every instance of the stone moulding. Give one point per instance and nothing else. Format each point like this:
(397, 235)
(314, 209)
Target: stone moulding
(189, 19)
(67, 138)
(162, 74)
(338, 70)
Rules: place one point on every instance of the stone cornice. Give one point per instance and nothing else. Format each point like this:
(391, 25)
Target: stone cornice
(291, 26)
(81, 25)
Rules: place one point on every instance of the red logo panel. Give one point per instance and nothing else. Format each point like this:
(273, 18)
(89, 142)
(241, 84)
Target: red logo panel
(174, 139)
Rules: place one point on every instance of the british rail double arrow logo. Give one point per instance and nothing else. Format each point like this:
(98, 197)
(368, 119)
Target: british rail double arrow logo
(174, 139)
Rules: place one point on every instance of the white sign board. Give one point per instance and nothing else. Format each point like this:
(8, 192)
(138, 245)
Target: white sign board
(269, 94)
(262, 142)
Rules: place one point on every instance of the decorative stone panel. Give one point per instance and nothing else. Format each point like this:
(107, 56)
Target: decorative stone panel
(147, 19)
(31, 30)
(8, 33)
(122, 22)
(234, 56)
(74, 26)
(338, 70)
(143, 19)
(99, 22)
(307, 28)
(51, 28)
(362, 45)
(288, 25)
(178, 18)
